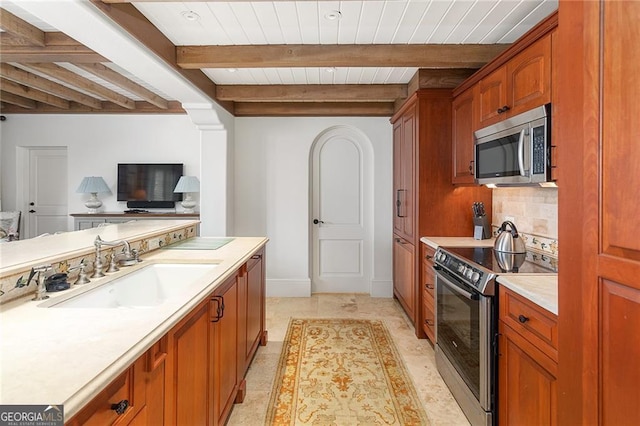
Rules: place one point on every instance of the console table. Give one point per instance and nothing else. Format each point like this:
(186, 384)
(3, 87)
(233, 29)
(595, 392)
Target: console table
(93, 220)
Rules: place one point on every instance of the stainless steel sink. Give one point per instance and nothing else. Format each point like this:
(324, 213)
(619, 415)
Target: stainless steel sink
(147, 287)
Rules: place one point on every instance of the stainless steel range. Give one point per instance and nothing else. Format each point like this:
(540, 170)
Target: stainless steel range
(467, 318)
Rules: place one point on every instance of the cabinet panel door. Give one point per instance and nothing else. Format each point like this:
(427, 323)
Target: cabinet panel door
(408, 173)
(529, 77)
(225, 347)
(492, 96)
(398, 220)
(187, 378)
(403, 275)
(527, 382)
(464, 124)
(254, 305)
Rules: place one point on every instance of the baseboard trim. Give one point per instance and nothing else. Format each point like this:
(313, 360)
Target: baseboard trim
(288, 288)
(381, 288)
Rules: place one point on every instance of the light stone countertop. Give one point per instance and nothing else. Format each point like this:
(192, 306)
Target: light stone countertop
(436, 242)
(67, 355)
(542, 290)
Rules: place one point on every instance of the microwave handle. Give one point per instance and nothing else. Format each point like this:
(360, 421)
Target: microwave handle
(521, 153)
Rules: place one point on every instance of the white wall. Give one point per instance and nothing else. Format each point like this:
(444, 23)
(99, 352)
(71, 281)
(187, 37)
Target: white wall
(268, 173)
(95, 144)
(272, 194)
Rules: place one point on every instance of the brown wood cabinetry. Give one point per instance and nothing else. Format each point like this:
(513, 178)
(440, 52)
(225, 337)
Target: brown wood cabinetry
(135, 397)
(428, 203)
(251, 318)
(428, 286)
(465, 122)
(528, 362)
(523, 83)
(224, 336)
(195, 373)
(598, 221)
(188, 368)
(404, 275)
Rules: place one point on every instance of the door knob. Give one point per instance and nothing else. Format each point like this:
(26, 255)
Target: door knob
(316, 221)
(32, 211)
(32, 203)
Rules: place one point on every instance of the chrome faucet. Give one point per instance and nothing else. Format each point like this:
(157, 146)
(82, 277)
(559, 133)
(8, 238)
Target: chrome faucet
(41, 278)
(128, 259)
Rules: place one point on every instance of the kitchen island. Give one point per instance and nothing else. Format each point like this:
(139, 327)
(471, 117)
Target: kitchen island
(67, 356)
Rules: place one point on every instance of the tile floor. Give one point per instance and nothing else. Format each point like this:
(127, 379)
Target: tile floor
(418, 356)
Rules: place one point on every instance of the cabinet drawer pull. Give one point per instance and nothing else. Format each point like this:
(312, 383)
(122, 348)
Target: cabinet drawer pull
(256, 256)
(523, 319)
(120, 407)
(219, 309)
(429, 286)
(429, 322)
(428, 257)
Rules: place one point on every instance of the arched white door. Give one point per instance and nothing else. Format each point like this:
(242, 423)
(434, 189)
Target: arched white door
(341, 212)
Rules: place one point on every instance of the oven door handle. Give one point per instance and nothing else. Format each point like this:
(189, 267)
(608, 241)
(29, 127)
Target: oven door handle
(452, 286)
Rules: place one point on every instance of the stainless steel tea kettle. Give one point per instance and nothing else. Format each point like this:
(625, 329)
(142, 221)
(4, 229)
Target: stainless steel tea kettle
(508, 241)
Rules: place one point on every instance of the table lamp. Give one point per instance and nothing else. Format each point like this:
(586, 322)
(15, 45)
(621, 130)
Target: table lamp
(92, 185)
(187, 185)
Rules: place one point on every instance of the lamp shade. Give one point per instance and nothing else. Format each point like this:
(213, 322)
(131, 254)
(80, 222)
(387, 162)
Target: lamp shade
(93, 185)
(187, 184)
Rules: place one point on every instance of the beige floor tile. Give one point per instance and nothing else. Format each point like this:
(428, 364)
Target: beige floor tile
(417, 354)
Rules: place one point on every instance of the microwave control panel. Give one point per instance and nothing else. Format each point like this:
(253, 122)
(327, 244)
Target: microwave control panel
(539, 148)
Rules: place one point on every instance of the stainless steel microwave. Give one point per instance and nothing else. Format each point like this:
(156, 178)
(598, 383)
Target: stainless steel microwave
(516, 151)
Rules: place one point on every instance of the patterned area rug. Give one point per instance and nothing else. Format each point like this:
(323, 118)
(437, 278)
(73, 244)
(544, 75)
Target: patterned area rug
(342, 372)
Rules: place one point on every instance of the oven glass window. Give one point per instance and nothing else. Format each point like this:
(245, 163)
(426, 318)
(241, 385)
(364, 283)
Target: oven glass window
(459, 333)
(498, 157)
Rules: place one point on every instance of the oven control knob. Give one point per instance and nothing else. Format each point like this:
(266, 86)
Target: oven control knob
(468, 273)
(461, 269)
(475, 277)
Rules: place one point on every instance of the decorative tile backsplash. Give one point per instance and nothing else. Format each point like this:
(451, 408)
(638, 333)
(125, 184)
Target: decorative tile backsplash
(15, 286)
(534, 211)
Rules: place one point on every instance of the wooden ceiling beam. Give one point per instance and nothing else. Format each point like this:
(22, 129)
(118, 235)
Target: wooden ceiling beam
(313, 109)
(341, 55)
(21, 28)
(32, 80)
(31, 93)
(138, 26)
(121, 81)
(312, 93)
(12, 99)
(174, 107)
(438, 78)
(82, 83)
(58, 48)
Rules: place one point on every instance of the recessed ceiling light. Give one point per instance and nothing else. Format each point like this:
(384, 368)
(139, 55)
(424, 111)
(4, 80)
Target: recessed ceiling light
(232, 69)
(190, 15)
(330, 70)
(333, 15)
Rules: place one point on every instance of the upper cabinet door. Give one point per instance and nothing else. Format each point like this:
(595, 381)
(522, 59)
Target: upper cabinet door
(529, 77)
(464, 123)
(523, 83)
(492, 97)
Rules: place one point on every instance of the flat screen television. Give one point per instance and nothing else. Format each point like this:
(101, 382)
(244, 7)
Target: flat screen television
(149, 185)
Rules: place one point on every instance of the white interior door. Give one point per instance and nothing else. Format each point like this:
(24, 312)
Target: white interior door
(46, 209)
(340, 238)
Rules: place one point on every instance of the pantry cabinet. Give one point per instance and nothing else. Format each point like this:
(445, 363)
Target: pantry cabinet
(425, 201)
(523, 83)
(527, 363)
(599, 179)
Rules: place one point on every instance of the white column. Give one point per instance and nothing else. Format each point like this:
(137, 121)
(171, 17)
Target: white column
(213, 169)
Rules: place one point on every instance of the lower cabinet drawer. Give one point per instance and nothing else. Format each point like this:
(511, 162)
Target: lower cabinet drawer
(534, 323)
(429, 322)
(112, 406)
